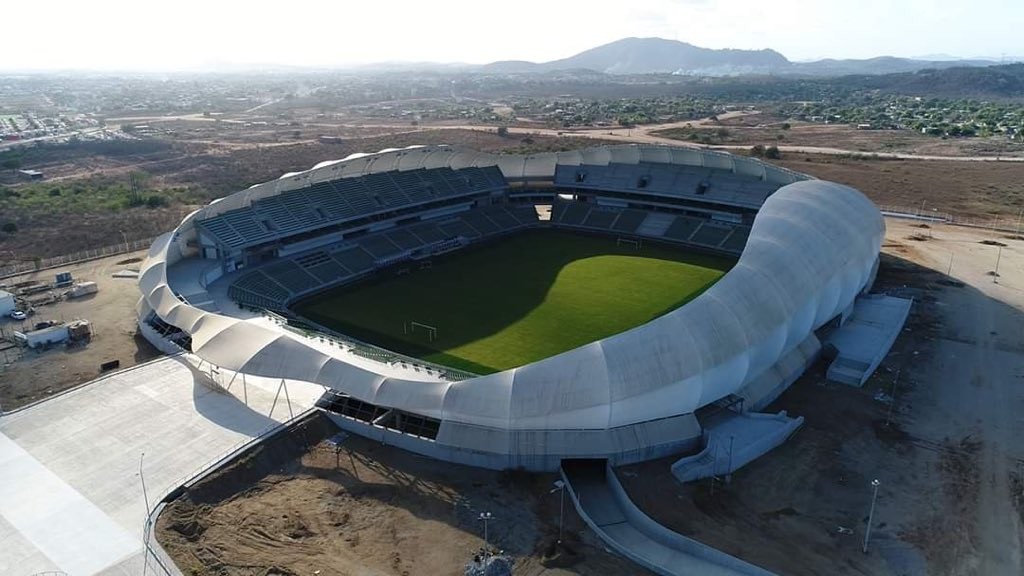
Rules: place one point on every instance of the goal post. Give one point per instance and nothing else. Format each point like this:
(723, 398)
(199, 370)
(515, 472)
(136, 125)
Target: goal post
(634, 243)
(410, 327)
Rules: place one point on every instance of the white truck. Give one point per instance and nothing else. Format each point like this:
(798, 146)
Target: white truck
(82, 289)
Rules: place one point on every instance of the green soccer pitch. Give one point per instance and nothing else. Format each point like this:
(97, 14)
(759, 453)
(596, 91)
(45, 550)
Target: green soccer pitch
(515, 301)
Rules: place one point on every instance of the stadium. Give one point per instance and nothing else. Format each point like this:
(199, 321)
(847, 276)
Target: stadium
(514, 311)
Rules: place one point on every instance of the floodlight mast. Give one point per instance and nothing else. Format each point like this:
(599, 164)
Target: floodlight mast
(486, 517)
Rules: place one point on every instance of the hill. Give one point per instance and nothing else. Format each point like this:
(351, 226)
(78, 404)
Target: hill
(1005, 81)
(878, 65)
(660, 56)
(637, 56)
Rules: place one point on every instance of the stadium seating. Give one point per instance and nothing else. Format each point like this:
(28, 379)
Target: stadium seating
(524, 214)
(600, 218)
(290, 275)
(480, 222)
(737, 240)
(427, 232)
(629, 221)
(458, 227)
(403, 239)
(501, 217)
(354, 258)
(274, 284)
(379, 246)
(682, 228)
(711, 234)
(710, 185)
(573, 214)
(326, 203)
(323, 266)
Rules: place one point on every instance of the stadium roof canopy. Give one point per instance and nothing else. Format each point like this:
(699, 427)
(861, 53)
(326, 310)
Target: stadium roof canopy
(812, 248)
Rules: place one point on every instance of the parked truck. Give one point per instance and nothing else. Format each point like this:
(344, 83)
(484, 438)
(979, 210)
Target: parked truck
(82, 289)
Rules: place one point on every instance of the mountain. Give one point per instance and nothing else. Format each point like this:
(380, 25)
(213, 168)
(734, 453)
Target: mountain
(661, 56)
(878, 65)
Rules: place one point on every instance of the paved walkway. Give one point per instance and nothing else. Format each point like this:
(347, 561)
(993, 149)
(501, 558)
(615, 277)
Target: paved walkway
(72, 498)
(604, 506)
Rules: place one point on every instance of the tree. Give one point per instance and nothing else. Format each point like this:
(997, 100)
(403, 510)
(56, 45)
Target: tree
(12, 164)
(757, 151)
(9, 227)
(503, 131)
(786, 126)
(772, 152)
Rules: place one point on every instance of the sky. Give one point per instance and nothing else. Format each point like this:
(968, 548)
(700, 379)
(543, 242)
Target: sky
(212, 34)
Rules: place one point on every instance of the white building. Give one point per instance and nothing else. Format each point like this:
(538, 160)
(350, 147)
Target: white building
(6, 302)
(812, 248)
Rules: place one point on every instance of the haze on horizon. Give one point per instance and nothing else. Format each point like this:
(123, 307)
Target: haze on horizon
(193, 35)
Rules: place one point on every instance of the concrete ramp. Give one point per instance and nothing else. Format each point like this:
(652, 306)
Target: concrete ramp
(606, 508)
(732, 440)
(866, 337)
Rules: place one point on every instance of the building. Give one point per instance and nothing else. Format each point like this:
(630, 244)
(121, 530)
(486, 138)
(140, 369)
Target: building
(806, 249)
(7, 303)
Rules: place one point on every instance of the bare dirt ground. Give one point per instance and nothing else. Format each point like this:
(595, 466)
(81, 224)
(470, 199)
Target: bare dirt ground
(950, 497)
(965, 188)
(765, 129)
(367, 509)
(27, 376)
(211, 171)
(950, 501)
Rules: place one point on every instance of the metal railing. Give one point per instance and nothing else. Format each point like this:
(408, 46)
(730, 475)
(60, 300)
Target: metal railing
(1013, 224)
(74, 258)
(156, 552)
(364, 349)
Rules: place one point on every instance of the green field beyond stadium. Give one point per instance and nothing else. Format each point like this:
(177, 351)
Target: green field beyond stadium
(519, 300)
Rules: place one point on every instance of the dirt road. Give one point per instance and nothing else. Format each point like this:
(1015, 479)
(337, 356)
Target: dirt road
(973, 380)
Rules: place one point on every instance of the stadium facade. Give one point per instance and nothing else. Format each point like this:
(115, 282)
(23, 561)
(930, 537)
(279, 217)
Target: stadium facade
(806, 249)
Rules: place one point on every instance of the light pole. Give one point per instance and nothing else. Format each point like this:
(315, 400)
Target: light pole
(125, 238)
(999, 256)
(142, 479)
(920, 212)
(145, 536)
(486, 517)
(560, 488)
(871, 512)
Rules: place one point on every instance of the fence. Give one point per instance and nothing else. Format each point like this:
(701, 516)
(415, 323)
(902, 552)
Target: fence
(152, 549)
(364, 349)
(82, 256)
(1001, 223)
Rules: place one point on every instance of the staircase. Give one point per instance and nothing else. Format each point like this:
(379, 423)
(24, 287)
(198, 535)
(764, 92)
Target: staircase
(655, 224)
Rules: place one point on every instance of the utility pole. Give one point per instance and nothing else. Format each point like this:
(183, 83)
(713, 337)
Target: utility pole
(560, 488)
(871, 513)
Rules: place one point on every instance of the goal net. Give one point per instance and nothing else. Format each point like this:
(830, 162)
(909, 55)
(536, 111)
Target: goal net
(634, 243)
(411, 327)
